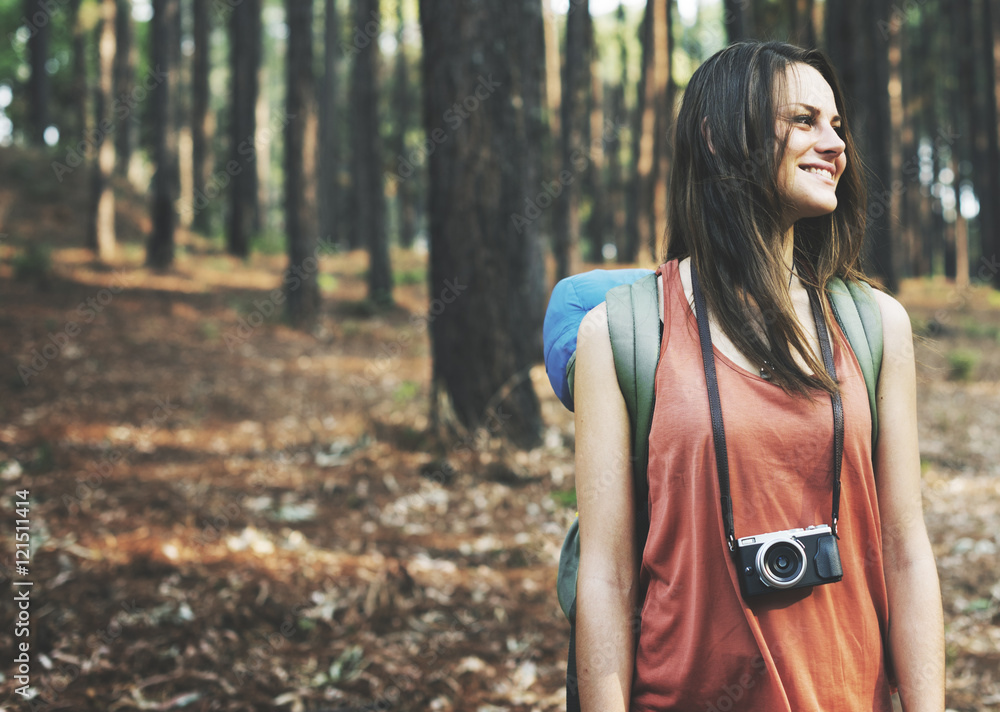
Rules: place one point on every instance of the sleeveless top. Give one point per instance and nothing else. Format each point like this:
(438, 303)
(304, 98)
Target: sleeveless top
(701, 646)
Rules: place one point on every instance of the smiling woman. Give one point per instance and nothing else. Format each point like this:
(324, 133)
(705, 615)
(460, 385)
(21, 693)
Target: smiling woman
(814, 145)
(753, 593)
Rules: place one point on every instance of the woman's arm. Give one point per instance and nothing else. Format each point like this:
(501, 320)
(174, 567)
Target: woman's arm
(608, 575)
(916, 627)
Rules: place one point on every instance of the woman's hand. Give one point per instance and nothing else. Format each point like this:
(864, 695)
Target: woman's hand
(608, 575)
(916, 626)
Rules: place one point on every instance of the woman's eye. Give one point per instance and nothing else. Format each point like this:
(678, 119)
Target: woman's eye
(804, 119)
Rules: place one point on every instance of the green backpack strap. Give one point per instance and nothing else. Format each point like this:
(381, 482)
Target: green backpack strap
(860, 319)
(635, 331)
(634, 326)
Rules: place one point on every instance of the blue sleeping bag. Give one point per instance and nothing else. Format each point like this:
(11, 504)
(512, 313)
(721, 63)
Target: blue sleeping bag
(571, 299)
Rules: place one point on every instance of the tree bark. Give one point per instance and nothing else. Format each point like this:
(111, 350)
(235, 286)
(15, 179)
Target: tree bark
(202, 120)
(663, 101)
(860, 51)
(301, 284)
(647, 219)
(803, 31)
(552, 219)
(166, 53)
(595, 149)
(329, 162)
(638, 210)
(368, 192)
(38, 85)
(244, 55)
(973, 146)
(988, 188)
(739, 20)
(101, 218)
(895, 184)
(78, 94)
(405, 209)
(575, 79)
(487, 274)
(123, 86)
(616, 210)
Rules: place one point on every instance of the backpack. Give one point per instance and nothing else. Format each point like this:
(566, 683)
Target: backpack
(636, 332)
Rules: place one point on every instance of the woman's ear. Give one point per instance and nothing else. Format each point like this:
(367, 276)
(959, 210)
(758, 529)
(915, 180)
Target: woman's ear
(707, 133)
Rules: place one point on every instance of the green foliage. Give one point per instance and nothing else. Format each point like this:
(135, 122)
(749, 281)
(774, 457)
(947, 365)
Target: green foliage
(210, 330)
(977, 329)
(406, 391)
(417, 275)
(962, 363)
(43, 459)
(268, 243)
(327, 282)
(348, 666)
(565, 498)
(35, 262)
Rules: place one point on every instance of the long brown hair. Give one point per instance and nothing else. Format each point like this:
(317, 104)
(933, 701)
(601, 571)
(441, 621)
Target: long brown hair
(725, 209)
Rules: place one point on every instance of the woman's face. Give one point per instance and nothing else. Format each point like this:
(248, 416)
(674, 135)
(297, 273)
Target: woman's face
(814, 158)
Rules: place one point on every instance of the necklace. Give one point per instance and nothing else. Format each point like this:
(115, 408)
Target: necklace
(765, 370)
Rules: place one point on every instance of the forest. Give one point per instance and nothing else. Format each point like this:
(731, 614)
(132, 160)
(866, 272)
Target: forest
(275, 426)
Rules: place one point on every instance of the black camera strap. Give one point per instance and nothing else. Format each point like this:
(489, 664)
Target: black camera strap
(715, 406)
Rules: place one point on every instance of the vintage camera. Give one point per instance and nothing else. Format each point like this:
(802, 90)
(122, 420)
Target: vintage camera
(794, 558)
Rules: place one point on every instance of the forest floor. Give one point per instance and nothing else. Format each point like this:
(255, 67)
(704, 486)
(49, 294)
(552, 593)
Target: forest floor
(229, 514)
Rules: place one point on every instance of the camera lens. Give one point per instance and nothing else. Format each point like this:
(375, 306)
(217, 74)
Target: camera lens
(781, 563)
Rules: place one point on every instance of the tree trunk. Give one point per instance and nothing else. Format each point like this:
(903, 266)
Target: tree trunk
(663, 101)
(301, 284)
(895, 183)
(166, 53)
(553, 88)
(406, 214)
(487, 275)
(860, 51)
(78, 93)
(992, 22)
(651, 150)
(739, 20)
(801, 13)
(329, 162)
(368, 193)
(202, 120)
(244, 56)
(552, 156)
(101, 218)
(575, 79)
(124, 86)
(38, 85)
(988, 184)
(615, 211)
(637, 210)
(595, 149)
(912, 96)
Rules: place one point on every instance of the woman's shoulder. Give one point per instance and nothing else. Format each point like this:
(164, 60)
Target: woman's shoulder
(595, 361)
(593, 328)
(897, 333)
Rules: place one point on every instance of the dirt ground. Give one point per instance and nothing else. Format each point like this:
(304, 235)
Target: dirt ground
(228, 514)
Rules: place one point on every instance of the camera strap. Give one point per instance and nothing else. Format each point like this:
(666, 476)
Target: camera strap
(715, 406)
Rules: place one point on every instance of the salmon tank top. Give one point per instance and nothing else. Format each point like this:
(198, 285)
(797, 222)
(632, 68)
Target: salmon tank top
(701, 645)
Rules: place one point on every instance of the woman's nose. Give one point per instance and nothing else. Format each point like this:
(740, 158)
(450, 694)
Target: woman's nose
(831, 141)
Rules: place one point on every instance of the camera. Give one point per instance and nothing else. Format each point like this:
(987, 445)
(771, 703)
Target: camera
(789, 559)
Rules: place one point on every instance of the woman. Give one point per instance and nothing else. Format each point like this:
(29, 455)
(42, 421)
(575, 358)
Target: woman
(766, 202)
